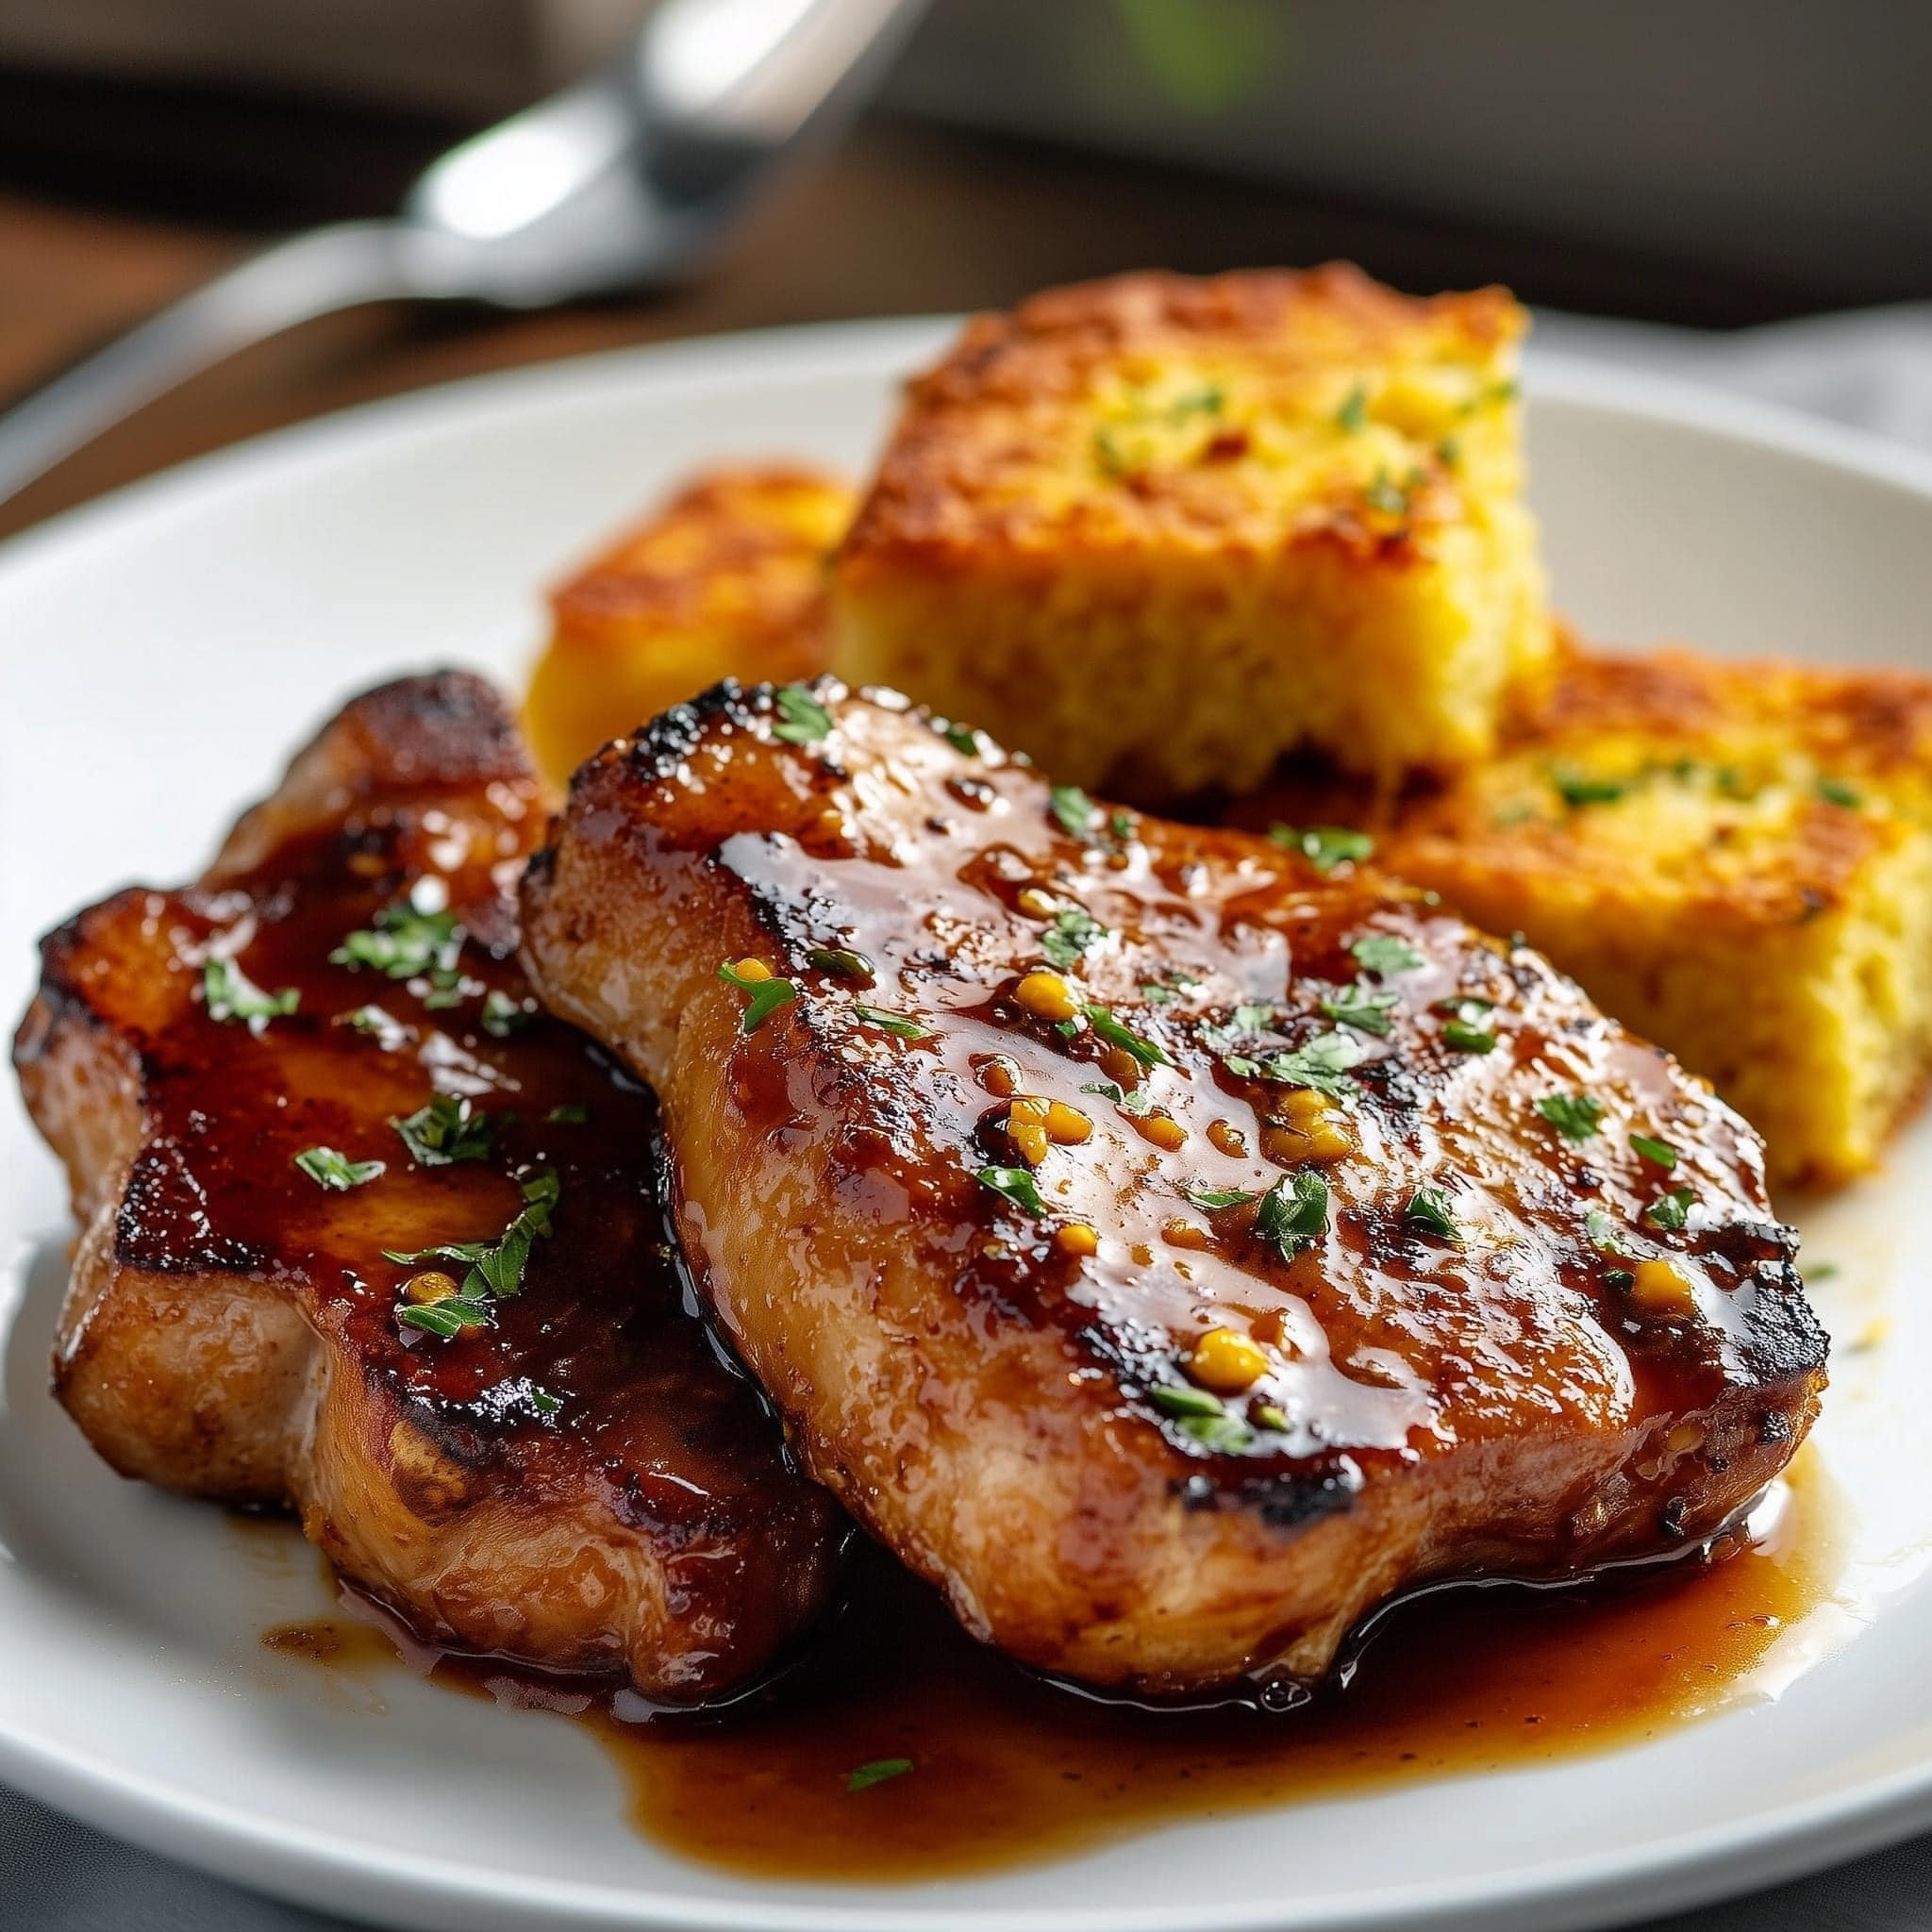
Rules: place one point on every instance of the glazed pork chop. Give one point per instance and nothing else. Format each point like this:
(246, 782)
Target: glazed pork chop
(366, 1232)
(1171, 1242)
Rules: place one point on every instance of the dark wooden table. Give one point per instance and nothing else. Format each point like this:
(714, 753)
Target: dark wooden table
(903, 219)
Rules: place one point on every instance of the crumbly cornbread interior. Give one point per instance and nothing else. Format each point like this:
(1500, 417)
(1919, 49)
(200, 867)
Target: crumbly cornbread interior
(1158, 532)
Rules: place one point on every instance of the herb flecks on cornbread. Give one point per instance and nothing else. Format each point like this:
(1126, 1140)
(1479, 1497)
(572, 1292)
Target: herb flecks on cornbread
(1736, 859)
(1159, 530)
(726, 579)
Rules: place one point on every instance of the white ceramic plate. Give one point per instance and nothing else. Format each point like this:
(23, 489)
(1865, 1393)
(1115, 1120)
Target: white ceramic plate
(164, 650)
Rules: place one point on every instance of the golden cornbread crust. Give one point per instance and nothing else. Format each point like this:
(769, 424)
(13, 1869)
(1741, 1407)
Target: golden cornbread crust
(725, 579)
(1292, 497)
(1736, 858)
(944, 489)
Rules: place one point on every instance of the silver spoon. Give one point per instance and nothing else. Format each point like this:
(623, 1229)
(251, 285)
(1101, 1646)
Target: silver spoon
(621, 181)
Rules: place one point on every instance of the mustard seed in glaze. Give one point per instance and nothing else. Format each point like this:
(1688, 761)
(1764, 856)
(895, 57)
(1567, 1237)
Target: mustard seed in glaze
(1448, 1403)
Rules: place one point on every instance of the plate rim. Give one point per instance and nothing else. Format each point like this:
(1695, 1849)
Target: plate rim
(787, 353)
(338, 1873)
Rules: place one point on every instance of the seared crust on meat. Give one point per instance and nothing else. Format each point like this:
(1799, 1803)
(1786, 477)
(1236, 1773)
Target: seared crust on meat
(580, 1486)
(1165, 1317)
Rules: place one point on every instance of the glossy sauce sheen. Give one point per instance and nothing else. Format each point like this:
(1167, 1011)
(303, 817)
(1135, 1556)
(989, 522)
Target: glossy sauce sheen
(601, 1323)
(583, 1482)
(1006, 1769)
(1204, 916)
(223, 1187)
(1493, 1399)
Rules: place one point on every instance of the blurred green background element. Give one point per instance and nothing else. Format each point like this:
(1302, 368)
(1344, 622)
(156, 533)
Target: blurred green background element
(1782, 142)
(1207, 55)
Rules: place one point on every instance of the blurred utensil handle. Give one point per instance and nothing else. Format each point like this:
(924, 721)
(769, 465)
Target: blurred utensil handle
(308, 275)
(624, 179)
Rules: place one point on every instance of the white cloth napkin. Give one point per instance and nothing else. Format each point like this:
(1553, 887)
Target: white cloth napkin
(1872, 370)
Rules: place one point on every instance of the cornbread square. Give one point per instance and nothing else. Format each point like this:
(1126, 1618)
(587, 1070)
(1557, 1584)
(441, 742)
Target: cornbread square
(727, 579)
(1159, 530)
(1736, 861)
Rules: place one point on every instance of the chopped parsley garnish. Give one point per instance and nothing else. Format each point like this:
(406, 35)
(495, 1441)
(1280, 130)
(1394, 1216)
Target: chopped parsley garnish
(542, 1400)
(1577, 790)
(1659, 1152)
(503, 1016)
(1323, 846)
(1071, 931)
(1604, 1233)
(1208, 400)
(1072, 808)
(1576, 1116)
(1203, 1417)
(765, 996)
(876, 1772)
(1431, 1208)
(1271, 1415)
(1320, 1063)
(1365, 1010)
(1170, 987)
(232, 996)
(1107, 452)
(1221, 1197)
(443, 1318)
(1671, 1211)
(802, 719)
(1384, 954)
(1464, 1030)
(372, 1020)
(1293, 1212)
(403, 943)
(1183, 1399)
(1134, 1103)
(572, 1113)
(1836, 791)
(1149, 1052)
(1147, 419)
(1387, 495)
(495, 1268)
(333, 1171)
(1490, 395)
(446, 1131)
(895, 1024)
(1120, 825)
(1016, 1184)
(1226, 1434)
(962, 738)
(842, 961)
(1353, 414)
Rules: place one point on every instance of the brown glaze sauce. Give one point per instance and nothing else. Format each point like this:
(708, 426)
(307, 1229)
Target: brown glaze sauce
(1008, 1768)
(1390, 1350)
(591, 1400)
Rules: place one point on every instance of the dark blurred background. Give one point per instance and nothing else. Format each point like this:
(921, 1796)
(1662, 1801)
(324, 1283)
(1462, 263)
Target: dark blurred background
(1709, 162)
